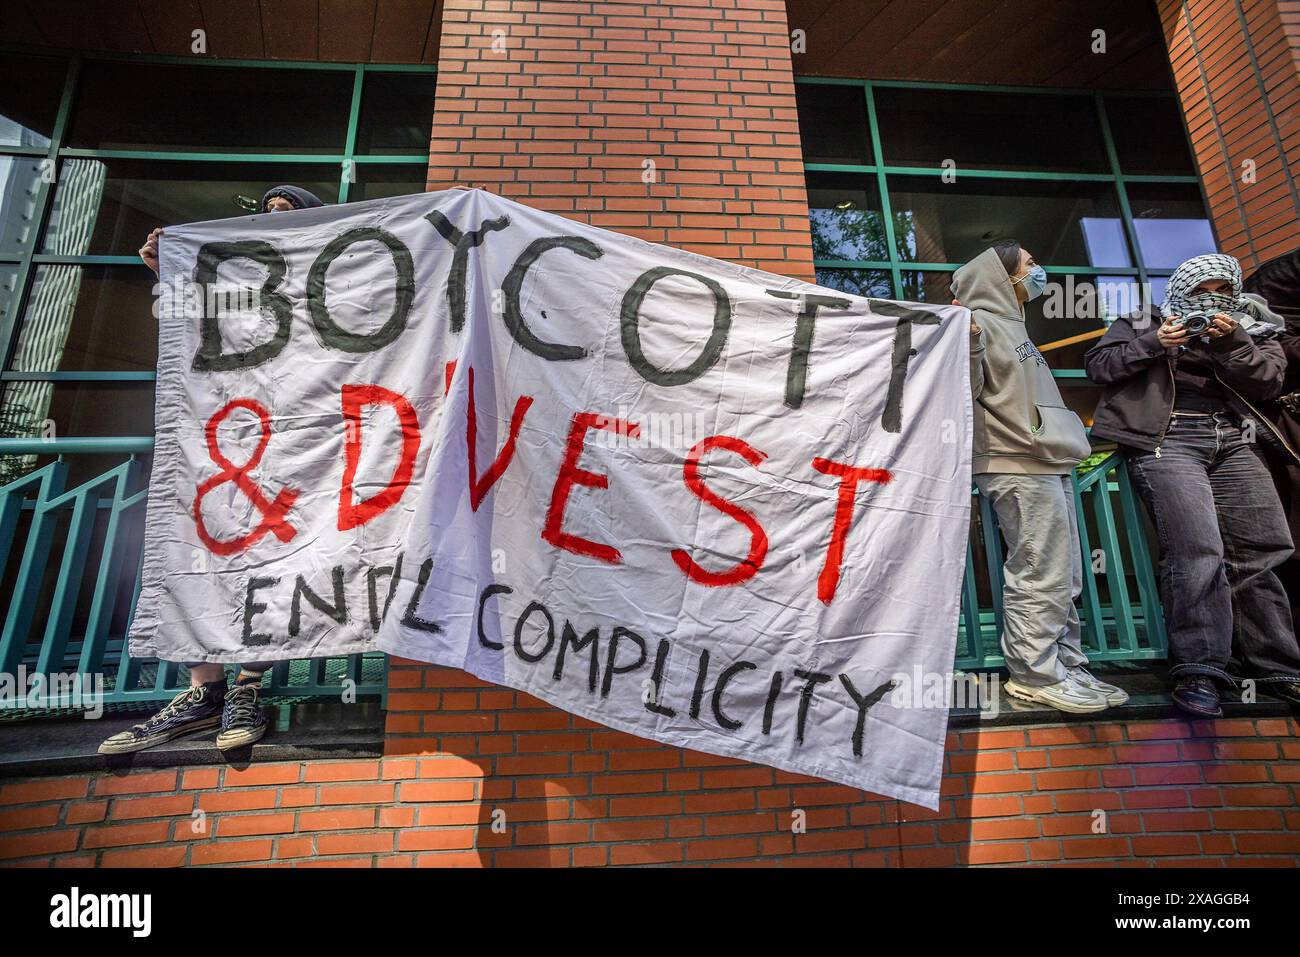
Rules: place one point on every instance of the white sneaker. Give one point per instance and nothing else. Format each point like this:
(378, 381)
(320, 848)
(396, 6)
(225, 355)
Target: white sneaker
(1065, 695)
(1114, 696)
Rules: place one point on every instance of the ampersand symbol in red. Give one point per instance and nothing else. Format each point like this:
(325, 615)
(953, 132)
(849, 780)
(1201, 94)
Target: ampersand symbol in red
(273, 512)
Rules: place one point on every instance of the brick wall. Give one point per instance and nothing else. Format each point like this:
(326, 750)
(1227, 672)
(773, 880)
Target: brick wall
(572, 793)
(574, 99)
(1235, 66)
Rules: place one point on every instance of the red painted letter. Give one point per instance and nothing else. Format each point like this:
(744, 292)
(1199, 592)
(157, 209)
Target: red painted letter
(570, 475)
(479, 489)
(351, 512)
(849, 477)
(749, 567)
(273, 510)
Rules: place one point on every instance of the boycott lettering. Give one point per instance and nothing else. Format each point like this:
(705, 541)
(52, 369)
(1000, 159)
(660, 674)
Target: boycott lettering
(213, 357)
(426, 437)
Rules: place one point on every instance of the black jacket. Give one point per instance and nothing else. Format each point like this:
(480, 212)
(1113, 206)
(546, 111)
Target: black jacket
(1138, 376)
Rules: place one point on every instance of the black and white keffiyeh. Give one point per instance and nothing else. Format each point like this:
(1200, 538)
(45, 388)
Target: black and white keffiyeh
(1182, 296)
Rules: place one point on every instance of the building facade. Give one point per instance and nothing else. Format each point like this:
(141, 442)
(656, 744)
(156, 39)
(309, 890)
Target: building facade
(868, 146)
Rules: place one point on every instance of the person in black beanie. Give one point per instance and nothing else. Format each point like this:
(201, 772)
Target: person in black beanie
(208, 702)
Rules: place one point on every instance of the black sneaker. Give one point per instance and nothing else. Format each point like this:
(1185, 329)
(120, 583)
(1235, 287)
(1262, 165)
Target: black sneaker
(242, 720)
(1197, 695)
(1288, 691)
(193, 710)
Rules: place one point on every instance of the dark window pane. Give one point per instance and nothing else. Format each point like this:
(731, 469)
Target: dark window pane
(213, 109)
(874, 283)
(1047, 132)
(1076, 305)
(1082, 397)
(929, 286)
(30, 90)
(20, 181)
(396, 113)
(833, 123)
(377, 180)
(1058, 222)
(109, 206)
(844, 215)
(74, 409)
(1149, 135)
(1170, 222)
(97, 318)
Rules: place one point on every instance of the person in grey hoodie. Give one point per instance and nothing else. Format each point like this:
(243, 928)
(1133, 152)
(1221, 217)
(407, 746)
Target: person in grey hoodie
(1025, 446)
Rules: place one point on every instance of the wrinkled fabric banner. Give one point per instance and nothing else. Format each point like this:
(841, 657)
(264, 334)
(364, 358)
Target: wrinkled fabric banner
(706, 505)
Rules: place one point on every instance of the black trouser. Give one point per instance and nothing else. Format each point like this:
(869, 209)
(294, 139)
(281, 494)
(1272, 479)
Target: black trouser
(1222, 533)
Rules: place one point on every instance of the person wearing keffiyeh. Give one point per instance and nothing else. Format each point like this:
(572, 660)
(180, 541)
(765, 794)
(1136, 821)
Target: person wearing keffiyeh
(1212, 284)
(1184, 410)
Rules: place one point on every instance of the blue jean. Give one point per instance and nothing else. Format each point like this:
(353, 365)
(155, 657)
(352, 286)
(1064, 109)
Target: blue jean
(1222, 533)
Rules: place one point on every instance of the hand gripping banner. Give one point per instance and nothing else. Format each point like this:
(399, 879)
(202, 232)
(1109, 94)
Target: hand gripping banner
(702, 504)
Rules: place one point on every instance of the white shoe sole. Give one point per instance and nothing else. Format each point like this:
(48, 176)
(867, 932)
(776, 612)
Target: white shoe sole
(130, 747)
(1070, 707)
(242, 739)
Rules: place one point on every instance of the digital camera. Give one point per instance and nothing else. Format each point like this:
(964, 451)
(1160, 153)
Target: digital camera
(1194, 322)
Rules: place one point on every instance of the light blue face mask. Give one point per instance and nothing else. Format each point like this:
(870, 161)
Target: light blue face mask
(1035, 281)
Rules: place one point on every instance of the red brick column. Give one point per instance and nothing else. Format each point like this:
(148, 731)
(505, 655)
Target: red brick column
(565, 105)
(1235, 63)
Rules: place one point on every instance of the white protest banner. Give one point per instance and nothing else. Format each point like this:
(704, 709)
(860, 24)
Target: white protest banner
(699, 503)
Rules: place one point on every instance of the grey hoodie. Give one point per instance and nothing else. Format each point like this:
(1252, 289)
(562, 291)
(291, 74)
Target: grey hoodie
(1021, 422)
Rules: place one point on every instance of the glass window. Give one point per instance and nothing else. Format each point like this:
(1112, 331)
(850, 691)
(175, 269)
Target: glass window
(8, 290)
(30, 91)
(833, 123)
(1149, 135)
(1072, 306)
(211, 109)
(108, 206)
(52, 409)
(20, 182)
(377, 180)
(1170, 222)
(930, 286)
(953, 222)
(396, 113)
(858, 282)
(1082, 397)
(978, 130)
(88, 318)
(845, 217)
(1159, 286)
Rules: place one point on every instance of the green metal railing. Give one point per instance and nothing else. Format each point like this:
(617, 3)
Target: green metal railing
(1119, 608)
(71, 560)
(70, 546)
(71, 557)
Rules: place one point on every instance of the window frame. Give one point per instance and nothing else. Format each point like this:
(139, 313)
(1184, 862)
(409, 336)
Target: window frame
(27, 261)
(1114, 176)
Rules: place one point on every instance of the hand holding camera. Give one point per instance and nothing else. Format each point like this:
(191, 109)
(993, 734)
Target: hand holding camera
(1178, 330)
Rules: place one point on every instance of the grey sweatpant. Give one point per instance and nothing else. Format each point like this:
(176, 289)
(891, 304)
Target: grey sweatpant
(1042, 574)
